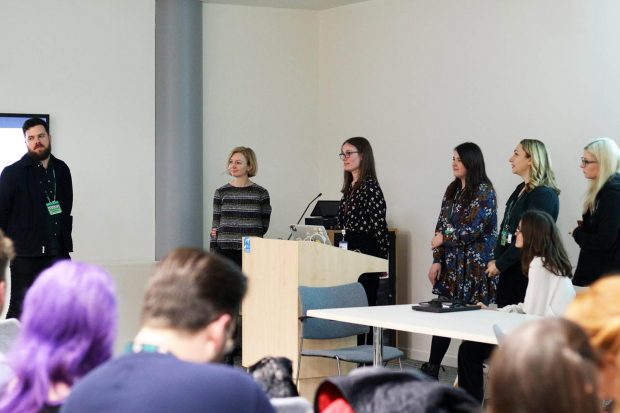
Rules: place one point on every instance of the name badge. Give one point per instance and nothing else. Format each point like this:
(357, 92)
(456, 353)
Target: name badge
(344, 245)
(53, 207)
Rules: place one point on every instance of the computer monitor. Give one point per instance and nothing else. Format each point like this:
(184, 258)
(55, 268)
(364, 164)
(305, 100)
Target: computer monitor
(325, 209)
(12, 146)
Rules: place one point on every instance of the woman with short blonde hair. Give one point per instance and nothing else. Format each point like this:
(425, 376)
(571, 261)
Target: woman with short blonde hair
(240, 208)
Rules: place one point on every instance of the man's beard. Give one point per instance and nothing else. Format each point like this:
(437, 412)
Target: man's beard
(42, 156)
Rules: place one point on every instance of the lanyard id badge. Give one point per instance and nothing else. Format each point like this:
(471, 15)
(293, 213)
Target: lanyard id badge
(505, 236)
(53, 207)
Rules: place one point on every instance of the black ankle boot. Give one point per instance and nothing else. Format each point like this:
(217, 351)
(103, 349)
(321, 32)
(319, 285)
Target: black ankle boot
(431, 370)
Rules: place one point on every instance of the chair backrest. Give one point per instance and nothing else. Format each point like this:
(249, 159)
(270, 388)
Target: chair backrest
(499, 334)
(340, 296)
(291, 405)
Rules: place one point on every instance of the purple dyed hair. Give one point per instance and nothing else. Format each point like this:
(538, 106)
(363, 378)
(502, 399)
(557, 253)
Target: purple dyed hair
(68, 328)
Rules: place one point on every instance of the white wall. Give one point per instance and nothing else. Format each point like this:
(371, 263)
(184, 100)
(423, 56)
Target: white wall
(90, 65)
(261, 90)
(419, 77)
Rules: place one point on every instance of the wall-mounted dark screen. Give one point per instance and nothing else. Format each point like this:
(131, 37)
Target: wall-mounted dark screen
(12, 146)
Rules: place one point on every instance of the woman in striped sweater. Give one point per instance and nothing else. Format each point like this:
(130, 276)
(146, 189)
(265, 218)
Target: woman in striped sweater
(240, 208)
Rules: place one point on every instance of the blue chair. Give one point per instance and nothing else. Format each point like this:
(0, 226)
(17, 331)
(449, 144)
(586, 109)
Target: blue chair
(341, 296)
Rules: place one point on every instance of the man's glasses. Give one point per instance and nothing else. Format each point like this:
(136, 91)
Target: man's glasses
(347, 154)
(585, 162)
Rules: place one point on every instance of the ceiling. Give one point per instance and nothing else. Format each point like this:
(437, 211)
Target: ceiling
(289, 4)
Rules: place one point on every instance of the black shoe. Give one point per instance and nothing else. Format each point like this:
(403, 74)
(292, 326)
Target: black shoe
(431, 370)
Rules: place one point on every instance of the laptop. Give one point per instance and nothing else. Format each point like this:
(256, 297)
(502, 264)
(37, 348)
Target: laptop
(316, 233)
(441, 306)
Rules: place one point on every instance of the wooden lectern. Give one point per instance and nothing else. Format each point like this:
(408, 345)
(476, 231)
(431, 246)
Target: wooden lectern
(270, 311)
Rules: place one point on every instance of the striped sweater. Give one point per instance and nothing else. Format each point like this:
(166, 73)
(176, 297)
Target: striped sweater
(239, 212)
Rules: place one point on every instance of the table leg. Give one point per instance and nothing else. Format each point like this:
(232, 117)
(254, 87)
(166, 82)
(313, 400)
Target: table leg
(377, 346)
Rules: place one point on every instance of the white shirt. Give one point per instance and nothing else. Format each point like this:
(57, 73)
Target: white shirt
(547, 294)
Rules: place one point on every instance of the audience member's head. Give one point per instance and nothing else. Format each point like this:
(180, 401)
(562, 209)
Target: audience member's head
(6, 254)
(68, 329)
(196, 296)
(597, 311)
(544, 366)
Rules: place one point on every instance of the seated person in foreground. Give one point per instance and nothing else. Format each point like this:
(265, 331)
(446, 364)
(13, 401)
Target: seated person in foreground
(549, 290)
(379, 389)
(68, 329)
(9, 329)
(544, 366)
(597, 311)
(188, 317)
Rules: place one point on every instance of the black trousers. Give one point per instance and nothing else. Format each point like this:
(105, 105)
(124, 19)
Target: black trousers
(24, 271)
(471, 358)
(233, 255)
(439, 348)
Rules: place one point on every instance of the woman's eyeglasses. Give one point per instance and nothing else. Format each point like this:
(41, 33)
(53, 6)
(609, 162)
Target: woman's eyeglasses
(586, 162)
(347, 154)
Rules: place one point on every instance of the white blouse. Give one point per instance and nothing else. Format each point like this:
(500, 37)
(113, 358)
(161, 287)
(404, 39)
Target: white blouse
(547, 294)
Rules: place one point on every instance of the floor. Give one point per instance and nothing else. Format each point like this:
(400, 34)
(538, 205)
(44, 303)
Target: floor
(446, 374)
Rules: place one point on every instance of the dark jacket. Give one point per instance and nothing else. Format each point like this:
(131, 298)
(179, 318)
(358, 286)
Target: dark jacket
(370, 390)
(23, 214)
(512, 281)
(599, 236)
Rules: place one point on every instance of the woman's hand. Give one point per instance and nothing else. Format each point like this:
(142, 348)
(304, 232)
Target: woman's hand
(437, 240)
(492, 269)
(214, 233)
(433, 273)
(482, 305)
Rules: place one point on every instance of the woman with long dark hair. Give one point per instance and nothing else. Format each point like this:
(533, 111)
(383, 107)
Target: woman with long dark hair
(362, 207)
(465, 235)
(531, 162)
(545, 261)
(598, 233)
(68, 329)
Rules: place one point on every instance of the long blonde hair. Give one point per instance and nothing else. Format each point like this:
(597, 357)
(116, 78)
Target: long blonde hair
(606, 153)
(541, 171)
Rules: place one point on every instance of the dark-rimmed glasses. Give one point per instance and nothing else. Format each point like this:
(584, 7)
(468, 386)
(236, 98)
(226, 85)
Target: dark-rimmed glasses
(586, 162)
(347, 154)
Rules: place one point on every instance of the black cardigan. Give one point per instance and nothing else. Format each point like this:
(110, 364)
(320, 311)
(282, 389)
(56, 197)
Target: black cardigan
(512, 281)
(599, 236)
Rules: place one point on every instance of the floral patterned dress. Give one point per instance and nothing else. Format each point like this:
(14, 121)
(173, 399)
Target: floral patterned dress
(469, 229)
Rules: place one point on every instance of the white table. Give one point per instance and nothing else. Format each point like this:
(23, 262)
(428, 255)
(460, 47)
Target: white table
(465, 325)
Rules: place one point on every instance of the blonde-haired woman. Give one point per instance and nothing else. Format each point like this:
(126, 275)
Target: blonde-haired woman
(598, 233)
(240, 208)
(597, 311)
(530, 160)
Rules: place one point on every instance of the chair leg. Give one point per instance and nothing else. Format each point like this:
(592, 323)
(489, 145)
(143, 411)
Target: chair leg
(400, 364)
(301, 345)
(338, 360)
